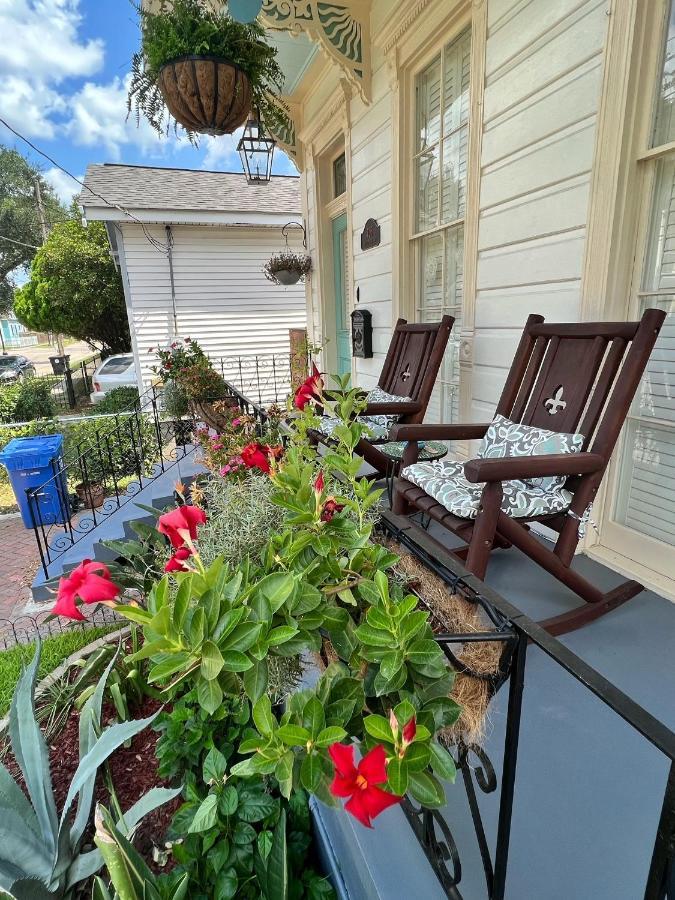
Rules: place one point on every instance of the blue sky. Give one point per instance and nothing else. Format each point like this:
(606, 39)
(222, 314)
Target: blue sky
(63, 71)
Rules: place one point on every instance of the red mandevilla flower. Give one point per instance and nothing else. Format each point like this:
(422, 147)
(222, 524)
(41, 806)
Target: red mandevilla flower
(177, 561)
(90, 582)
(255, 456)
(330, 507)
(409, 731)
(319, 483)
(181, 523)
(310, 389)
(360, 783)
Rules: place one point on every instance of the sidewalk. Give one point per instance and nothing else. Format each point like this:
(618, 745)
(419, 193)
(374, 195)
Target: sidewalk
(19, 561)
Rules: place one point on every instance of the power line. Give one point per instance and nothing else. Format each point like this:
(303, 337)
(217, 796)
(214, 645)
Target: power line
(155, 243)
(21, 243)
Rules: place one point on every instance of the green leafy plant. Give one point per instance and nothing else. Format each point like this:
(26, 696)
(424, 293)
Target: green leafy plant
(189, 27)
(26, 400)
(180, 354)
(200, 381)
(121, 399)
(40, 855)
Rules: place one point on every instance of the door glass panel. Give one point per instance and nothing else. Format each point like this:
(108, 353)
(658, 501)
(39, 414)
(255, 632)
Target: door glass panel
(664, 123)
(339, 176)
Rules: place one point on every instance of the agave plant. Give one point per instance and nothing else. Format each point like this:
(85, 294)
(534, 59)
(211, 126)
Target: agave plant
(40, 856)
(130, 877)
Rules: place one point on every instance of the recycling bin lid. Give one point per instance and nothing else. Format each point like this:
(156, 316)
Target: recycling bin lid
(31, 452)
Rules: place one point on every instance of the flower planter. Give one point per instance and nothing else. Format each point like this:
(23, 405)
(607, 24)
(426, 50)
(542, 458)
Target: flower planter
(205, 94)
(212, 413)
(92, 494)
(288, 276)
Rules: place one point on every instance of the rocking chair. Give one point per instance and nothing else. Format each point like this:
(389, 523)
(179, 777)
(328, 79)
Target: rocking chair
(566, 377)
(403, 390)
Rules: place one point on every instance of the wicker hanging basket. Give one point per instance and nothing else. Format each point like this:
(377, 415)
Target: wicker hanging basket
(205, 94)
(213, 413)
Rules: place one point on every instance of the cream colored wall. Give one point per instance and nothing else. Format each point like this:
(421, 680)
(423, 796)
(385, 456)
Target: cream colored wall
(543, 73)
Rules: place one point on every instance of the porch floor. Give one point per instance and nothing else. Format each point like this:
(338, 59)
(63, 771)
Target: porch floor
(588, 790)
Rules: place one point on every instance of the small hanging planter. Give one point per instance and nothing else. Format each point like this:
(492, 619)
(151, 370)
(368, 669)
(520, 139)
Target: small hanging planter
(287, 267)
(205, 94)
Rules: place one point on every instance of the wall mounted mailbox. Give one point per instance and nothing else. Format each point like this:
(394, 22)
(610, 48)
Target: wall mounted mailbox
(362, 333)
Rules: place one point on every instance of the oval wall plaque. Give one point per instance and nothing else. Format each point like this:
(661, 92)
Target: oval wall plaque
(370, 236)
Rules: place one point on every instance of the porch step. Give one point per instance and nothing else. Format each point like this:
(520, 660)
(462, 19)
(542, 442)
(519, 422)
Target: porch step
(157, 493)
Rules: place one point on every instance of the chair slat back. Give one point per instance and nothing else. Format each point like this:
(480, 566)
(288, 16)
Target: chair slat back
(413, 360)
(579, 377)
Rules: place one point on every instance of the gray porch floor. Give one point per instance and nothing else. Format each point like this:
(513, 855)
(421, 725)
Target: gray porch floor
(589, 789)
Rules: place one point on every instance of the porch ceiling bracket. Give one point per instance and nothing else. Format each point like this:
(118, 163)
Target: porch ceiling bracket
(342, 31)
(284, 133)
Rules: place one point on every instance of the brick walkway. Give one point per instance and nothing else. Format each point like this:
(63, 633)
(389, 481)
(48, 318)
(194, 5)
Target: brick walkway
(18, 562)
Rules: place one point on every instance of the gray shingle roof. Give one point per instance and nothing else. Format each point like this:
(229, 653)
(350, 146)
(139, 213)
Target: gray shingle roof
(148, 188)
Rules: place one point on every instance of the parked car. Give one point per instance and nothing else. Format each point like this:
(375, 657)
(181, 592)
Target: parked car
(14, 368)
(116, 371)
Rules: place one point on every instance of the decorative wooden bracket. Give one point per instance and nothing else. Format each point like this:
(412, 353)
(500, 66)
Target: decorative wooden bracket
(342, 31)
(285, 135)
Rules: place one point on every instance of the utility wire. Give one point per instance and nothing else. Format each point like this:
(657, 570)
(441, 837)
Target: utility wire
(20, 243)
(158, 245)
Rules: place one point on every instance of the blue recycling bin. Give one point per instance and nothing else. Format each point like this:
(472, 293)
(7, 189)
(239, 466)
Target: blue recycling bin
(37, 462)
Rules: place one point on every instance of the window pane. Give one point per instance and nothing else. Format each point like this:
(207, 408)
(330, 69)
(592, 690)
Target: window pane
(339, 176)
(454, 176)
(429, 106)
(664, 123)
(426, 190)
(457, 72)
(659, 269)
(431, 269)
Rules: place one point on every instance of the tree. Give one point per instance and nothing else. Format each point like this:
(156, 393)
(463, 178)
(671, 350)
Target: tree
(75, 289)
(19, 217)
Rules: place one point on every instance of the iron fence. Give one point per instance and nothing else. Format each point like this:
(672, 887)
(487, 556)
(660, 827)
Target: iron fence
(516, 632)
(26, 629)
(265, 378)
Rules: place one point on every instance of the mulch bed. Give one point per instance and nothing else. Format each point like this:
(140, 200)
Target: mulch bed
(133, 770)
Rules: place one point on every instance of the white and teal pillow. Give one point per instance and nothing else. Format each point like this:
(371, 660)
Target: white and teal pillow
(506, 438)
(377, 395)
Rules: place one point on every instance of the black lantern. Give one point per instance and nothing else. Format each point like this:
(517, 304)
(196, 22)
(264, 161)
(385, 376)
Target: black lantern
(256, 150)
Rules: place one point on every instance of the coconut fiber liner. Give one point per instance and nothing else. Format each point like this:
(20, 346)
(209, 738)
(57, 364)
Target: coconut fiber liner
(453, 614)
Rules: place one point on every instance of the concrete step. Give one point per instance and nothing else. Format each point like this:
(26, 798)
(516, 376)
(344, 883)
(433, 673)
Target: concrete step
(157, 492)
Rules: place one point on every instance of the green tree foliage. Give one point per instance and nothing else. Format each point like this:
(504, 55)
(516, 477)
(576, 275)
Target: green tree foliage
(19, 218)
(75, 289)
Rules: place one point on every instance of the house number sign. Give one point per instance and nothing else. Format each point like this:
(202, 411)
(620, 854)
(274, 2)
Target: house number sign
(370, 236)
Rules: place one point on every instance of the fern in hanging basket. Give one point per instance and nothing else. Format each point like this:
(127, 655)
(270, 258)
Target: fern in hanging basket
(204, 70)
(287, 267)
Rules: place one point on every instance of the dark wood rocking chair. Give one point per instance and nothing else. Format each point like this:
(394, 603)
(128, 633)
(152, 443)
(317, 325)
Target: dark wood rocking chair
(410, 369)
(566, 378)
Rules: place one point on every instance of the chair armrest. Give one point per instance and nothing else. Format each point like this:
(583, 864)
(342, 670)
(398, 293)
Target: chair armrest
(393, 408)
(437, 432)
(509, 468)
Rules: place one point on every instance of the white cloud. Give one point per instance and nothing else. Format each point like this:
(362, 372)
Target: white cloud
(221, 152)
(64, 186)
(98, 116)
(41, 47)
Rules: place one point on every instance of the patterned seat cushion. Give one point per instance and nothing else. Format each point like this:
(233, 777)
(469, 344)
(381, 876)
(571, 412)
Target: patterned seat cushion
(507, 438)
(378, 426)
(375, 431)
(444, 481)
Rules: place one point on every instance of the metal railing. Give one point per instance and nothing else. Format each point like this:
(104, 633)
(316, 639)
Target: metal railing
(26, 629)
(516, 632)
(264, 379)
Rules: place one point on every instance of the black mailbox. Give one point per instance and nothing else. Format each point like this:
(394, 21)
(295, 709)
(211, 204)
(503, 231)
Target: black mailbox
(362, 333)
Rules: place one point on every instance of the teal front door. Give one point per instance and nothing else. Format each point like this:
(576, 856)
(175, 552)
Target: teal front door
(341, 276)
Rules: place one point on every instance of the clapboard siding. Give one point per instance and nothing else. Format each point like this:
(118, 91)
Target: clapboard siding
(223, 300)
(543, 75)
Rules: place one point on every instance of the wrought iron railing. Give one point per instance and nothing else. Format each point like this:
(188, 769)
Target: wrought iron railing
(264, 378)
(516, 632)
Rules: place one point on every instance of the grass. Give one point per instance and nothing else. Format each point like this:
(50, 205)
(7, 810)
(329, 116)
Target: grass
(7, 499)
(54, 651)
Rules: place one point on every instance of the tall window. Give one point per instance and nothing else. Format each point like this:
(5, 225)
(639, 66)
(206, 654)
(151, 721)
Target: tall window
(646, 490)
(440, 165)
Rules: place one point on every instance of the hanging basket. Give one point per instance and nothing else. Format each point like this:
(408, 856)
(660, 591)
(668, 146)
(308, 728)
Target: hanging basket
(205, 94)
(288, 276)
(213, 413)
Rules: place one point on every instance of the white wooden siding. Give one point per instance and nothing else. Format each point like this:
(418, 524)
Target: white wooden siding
(543, 75)
(223, 300)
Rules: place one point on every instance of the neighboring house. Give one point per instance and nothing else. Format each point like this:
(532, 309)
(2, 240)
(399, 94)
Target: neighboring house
(191, 246)
(518, 157)
(13, 334)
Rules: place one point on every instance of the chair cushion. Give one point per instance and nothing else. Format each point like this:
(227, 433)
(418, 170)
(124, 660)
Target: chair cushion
(507, 438)
(377, 395)
(375, 431)
(444, 481)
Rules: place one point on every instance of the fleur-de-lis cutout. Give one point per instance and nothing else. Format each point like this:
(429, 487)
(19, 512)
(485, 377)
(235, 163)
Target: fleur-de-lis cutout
(405, 375)
(555, 403)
